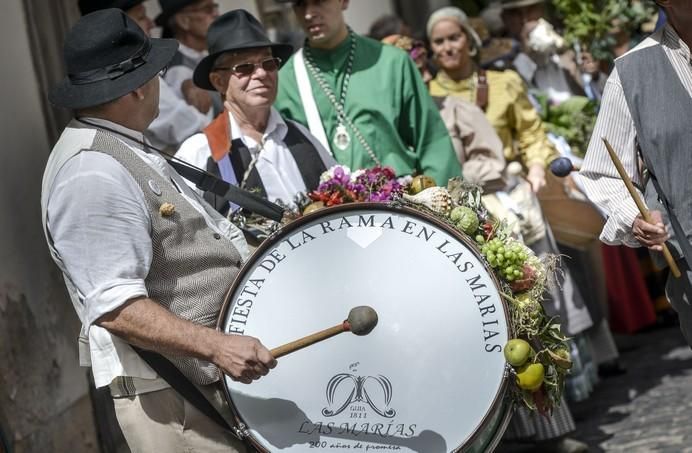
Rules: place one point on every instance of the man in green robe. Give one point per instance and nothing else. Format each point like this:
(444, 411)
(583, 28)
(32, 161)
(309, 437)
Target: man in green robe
(365, 101)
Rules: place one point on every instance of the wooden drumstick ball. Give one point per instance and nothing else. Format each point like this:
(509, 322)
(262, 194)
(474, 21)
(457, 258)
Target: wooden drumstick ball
(360, 321)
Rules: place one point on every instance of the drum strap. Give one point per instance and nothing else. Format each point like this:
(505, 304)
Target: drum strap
(169, 373)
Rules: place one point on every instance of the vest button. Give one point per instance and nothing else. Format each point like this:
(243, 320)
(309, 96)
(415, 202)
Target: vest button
(217, 236)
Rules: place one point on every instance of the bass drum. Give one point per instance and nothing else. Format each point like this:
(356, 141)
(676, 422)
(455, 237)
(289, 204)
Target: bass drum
(430, 378)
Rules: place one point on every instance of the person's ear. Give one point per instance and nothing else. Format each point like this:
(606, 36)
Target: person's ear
(219, 81)
(344, 5)
(138, 93)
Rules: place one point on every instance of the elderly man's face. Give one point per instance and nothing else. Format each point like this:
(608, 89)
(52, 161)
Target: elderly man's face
(197, 17)
(517, 19)
(247, 89)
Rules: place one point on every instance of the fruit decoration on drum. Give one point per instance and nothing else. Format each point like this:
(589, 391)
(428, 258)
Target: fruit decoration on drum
(537, 356)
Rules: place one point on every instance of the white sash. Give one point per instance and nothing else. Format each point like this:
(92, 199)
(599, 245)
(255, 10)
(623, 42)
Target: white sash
(305, 89)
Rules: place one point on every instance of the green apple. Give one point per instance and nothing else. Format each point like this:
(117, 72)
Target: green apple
(517, 352)
(530, 377)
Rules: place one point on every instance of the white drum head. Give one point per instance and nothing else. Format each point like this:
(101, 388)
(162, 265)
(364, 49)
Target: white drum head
(428, 378)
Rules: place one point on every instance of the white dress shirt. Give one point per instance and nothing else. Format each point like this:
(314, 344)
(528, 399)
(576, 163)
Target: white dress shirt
(598, 175)
(276, 166)
(176, 75)
(100, 227)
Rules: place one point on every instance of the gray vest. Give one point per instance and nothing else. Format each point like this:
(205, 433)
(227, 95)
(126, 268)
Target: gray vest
(661, 109)
(192, 266)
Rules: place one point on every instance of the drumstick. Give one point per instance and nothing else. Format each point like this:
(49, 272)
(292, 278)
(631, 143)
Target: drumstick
(640, 204)
(360, 321)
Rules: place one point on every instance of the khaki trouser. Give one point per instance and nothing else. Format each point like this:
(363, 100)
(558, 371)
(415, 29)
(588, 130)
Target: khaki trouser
(163, 421)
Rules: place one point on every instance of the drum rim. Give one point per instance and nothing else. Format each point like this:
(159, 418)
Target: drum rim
(268, 243)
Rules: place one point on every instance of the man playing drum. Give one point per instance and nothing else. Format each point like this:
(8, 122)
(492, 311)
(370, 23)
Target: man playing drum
(250, 144)
(645, 115)
(146, 261)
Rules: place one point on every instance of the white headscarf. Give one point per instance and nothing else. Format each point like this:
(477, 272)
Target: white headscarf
(457, 15)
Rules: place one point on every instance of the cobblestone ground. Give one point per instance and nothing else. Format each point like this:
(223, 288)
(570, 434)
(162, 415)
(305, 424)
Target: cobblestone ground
(647, 409)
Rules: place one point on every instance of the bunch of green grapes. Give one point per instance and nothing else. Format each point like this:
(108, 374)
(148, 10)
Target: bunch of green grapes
(508, 258)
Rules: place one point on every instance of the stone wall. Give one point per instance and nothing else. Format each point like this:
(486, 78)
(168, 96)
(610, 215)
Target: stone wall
(44, 399)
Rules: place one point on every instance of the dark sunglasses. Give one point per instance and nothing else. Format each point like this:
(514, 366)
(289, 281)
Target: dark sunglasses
(245, 69)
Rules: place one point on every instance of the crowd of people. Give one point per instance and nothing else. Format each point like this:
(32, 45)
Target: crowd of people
(219, 94)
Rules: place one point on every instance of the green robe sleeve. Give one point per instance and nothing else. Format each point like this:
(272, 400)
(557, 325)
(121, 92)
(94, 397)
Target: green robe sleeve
(422, 128)
(288, 98)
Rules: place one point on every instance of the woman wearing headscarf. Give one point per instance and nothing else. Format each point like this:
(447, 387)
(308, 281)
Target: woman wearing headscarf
(477, 146)
(501, 94)
(503, 98)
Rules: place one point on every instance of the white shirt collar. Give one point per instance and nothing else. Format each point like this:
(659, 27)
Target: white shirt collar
(192, 53)
(276, 129)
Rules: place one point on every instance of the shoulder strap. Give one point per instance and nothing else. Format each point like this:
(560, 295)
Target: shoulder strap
(305, 89)
(482, 90)
(183, 386)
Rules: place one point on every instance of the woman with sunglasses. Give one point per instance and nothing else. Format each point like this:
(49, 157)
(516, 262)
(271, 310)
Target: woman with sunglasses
(250, 145)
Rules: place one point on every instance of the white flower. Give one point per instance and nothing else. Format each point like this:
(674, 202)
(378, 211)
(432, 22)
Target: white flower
(405, 180)
(544, 39)
(356, 174)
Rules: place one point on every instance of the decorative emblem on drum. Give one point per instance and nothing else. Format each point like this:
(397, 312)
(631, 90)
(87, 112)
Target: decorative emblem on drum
(362, 392)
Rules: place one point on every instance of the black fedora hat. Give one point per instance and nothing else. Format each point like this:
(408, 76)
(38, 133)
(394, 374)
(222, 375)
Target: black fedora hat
(107, 56)
(89, 6)
(169, 8)
(235, 30)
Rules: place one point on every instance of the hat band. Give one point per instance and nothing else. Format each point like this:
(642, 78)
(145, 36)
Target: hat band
(114, 71)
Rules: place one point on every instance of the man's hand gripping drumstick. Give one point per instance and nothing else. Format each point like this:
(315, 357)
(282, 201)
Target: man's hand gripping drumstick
(360, 321)
(648, 227)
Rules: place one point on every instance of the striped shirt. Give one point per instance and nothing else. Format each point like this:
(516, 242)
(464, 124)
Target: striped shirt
(598, 175)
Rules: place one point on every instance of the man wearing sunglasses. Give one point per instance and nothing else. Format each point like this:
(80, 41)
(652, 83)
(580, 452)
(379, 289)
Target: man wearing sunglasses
(364, 100)
(188, 21)
(250, 144)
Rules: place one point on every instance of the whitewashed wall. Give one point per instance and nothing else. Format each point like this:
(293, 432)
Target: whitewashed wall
(44, 400)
